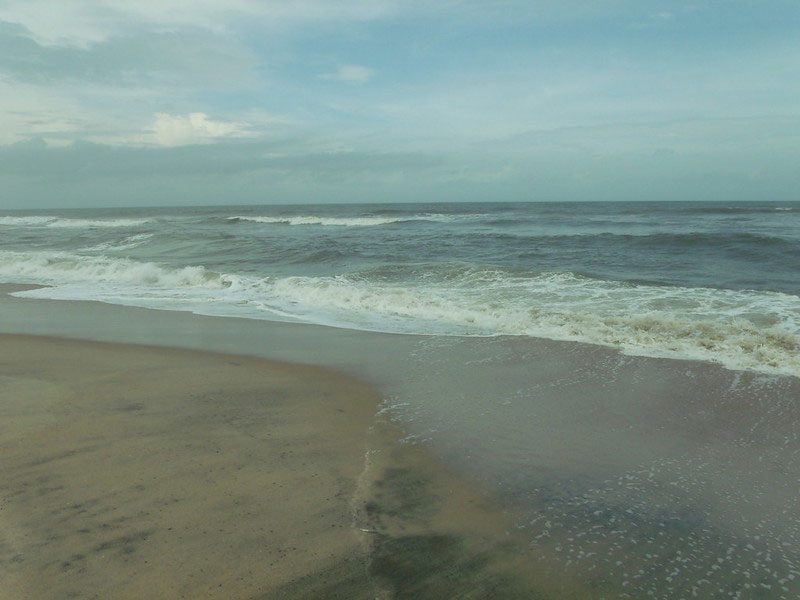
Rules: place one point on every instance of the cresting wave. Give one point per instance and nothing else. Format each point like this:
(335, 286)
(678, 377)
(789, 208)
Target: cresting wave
(742, 330)
(368, 221)
(751, 330)
(60, 268)
(126, 243)
(62, 222)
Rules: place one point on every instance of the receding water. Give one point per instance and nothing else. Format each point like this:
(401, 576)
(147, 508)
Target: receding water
(631, 477)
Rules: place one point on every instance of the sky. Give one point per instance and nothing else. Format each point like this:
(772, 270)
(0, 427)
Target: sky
(190, 102)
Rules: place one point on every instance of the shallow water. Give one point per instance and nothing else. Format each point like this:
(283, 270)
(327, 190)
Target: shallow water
(644, 477)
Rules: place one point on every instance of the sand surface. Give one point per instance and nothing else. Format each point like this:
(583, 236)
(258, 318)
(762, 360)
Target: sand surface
(139, 472)
(135, 472)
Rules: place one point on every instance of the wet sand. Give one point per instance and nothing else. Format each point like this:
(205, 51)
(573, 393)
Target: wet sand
(626, 477)
(140, 472)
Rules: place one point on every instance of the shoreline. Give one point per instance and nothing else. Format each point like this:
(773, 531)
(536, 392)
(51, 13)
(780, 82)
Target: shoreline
(307, 330)
(133, 471)
(579, 456)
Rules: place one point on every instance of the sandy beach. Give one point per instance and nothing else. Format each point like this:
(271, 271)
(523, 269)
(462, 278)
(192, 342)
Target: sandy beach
(133, 472)
(394, 467)
(142, 472)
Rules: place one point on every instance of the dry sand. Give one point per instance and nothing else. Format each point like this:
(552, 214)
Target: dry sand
(132, 472)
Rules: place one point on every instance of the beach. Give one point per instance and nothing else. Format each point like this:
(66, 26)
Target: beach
(625, 426)
(385, 300)
(133, 471)
(466, 467)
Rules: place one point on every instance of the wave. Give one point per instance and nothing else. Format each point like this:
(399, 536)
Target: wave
(741, 330)
(63, 222)
(751, 330)
(701, 239)
(132, 241)
(26, 221)
(58, 268)
(369, 221)
(330, 221)
(648, 239)
(739, 210)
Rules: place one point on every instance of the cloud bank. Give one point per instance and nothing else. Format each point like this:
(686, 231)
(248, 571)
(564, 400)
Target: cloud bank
(374, 100)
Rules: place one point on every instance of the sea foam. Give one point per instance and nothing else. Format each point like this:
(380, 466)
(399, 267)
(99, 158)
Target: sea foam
(367, 221)
(61, 222)
(739, 329)
(753, 330)
(58, 268)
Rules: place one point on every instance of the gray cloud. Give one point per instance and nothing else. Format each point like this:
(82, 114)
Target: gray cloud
(174, 101)
(33, 174)
(143, 58)
(742, 159)
(83, 161)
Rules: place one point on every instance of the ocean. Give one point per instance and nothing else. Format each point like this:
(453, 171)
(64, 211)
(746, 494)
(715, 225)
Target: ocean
(709, 281)
(622, 378)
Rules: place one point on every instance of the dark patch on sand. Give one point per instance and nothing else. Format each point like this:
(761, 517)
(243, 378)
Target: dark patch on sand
(438, 567)
(401, 493)
(346, 580)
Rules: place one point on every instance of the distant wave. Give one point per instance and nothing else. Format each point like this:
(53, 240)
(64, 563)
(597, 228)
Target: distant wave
(678, 240)
(367, 221)
(311, 220)
(62, 222)
(26, 221)
(126, 243)
(739, 210)
(702, 239)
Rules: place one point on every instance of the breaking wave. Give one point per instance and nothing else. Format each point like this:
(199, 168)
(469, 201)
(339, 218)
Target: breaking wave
(59, 268)
(126, 243)
(739, 329)
(368, 221)
(753, 330)
(62, 222)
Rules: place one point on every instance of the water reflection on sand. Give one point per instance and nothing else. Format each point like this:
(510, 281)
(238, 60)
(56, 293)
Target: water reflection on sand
(633, 477)
(641, 477)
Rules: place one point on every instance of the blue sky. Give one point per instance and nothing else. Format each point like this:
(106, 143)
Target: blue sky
(111, 102)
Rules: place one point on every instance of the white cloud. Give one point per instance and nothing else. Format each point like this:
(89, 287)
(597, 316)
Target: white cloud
(194, 128)
(29, 111)
(350, 74)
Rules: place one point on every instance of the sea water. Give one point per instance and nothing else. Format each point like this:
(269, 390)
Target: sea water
(707, 281)
(649, 448)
